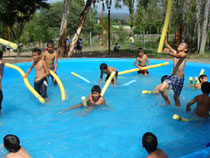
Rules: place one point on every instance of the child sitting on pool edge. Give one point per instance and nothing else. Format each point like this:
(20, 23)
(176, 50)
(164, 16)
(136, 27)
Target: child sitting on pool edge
(201, 79)
(203, 102)
(12, 144)
(142, 59)
(149, 142)
(42, 71)
(108, 70)
(94, 99)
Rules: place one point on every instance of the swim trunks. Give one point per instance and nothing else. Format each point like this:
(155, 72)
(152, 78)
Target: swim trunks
(107, 76)
(176, 82)
(1, 98)
(143, 71)
(41, 87)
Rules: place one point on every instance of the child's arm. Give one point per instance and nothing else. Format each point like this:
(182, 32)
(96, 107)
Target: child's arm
(86, 111)
(101, 76)
(29, 70)
(136, 64)
(190, 104)
(72, 107)
(47, 71)
(56, 62)
(147, 60)
(114, 78)
(170, 48)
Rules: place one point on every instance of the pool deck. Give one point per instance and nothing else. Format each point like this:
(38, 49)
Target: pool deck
(26, 57)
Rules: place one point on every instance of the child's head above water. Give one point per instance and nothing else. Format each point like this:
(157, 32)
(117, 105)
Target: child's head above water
(50, 46)
(163, 78)
(141, 52)
(103, 66)
(205, 87)
(149, 142)
(202, 78)
(36, 54)
(96, 91)
(12, 143)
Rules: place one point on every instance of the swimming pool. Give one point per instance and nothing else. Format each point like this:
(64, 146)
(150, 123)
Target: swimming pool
(115, 132)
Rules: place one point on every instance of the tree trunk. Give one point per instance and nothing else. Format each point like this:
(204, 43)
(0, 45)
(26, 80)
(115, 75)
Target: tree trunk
(80, 25)
(63, 29)
(131, 11)
(198, 23)
(204, 29)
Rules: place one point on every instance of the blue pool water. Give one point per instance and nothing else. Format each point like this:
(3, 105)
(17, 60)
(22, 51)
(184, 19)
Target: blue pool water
(114, 132)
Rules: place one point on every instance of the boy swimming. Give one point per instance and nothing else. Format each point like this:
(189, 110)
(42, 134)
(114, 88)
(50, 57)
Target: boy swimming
(49, 56)
(12, 144)
(1, 76)
(201, 79)
(176, 79)
(142, 59)
(203, 102)
(94, 99)
(42, 71)
(149, 142)
(108, 70)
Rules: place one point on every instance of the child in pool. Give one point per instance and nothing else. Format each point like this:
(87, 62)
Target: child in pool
(94, 99)
(149, 142)
(108, 70)
(49, 56)
(1, 76)
(142, 59)
(42, 71)
(202, 79)
(12, 144)
(203, 102)
(158, 86)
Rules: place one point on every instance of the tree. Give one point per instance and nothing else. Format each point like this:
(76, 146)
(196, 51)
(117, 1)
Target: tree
(16, 14)
(63, 28)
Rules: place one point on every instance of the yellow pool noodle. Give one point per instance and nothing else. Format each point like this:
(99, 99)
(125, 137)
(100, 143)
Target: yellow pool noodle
(179, 118)
(142, 68)
(147, 92)
(191, 82)
(107, 83)
(26, 82)
(8, 43)
(84, 101)
(165, 27)
(63, 96)
(201, 73)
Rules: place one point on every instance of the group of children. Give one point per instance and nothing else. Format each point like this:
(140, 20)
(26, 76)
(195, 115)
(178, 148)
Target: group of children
(44, 62)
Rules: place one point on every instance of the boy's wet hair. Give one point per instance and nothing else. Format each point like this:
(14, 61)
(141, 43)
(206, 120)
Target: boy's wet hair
(1, 54)
(96, 88)
(149, 142)
(205, 87)
(140, 49)
(163, 78)
(103, 66)
(201, 77)
(12, 143)
(50, 42)
(36, 50)
(186, 46)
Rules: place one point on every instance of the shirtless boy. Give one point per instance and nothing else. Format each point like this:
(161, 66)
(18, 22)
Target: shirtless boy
(108, 70)
(149, 142)
(142, 59)
(176, 79)
(203, 102)
(1, 75)
(12, 144)
(42, 71)
(202, 79)
(93, 100)
(49, 56)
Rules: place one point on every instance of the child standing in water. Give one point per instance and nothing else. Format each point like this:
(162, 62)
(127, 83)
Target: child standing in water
(1, 75)
(12, 144)
(142, 59)
(202, 79)
(108, 70)
(94, 99)
(49, 56)
(42, 71)
(176, 79)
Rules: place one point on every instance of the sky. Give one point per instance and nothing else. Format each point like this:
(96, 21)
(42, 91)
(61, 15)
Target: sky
(99, 7)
